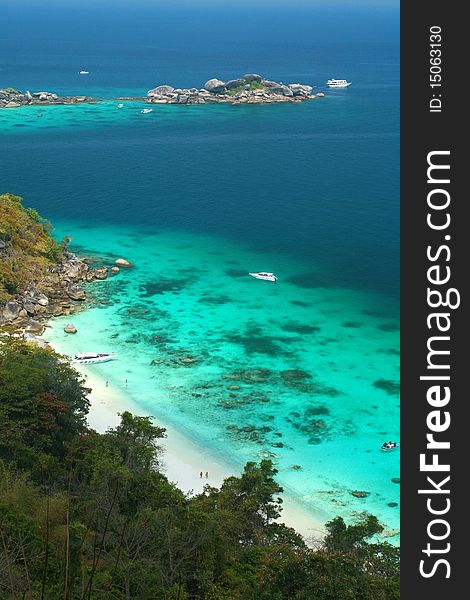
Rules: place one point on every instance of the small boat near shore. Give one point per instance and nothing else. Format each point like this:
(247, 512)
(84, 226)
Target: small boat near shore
(388, 446)
(120, 105)
(91, 358)
(264, 275)
(83, 72)
(145, 111)
(338, 83)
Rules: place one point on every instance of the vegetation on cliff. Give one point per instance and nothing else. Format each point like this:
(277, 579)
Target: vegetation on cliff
(27, 248)
(92, 516)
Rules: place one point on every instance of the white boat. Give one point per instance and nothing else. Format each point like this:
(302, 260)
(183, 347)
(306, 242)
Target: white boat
(120, 105)
(84, 72)
(145, 111)
(91, 358)
(388, 446)
(264, 275)
(338, 83)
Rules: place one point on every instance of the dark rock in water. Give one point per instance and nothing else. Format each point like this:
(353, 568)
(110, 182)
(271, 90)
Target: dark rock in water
(155, 288)
(360, 494)
(256, 343)
(300, 328)
(395, 480)
(300, 303)
(314, 440)
(294, 374)
(278, 445)
(392, 388)
(392, 504)
(250, 375)
(313, 411)
(351, 324)
(295, 467)
(215, 300)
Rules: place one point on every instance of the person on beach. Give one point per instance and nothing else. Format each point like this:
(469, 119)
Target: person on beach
(126, 382)
(106, 383)
(207, 474)
(200, 475)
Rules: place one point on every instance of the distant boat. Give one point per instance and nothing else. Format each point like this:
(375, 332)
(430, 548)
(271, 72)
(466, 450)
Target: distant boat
(145, 111)
(91, 358)
(84, 72)
(120, 105)
(387, 446)
(264, 275)
(338, 83)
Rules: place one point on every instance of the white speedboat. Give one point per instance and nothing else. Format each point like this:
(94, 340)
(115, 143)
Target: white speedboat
(338, 83)
(145, 111)
(388, 446)
(84, 72)
(120, 105)
(264, 275)
(91, 358)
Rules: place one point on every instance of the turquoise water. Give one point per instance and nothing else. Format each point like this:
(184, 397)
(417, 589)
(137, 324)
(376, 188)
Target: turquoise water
(314, 368)
(305, 371)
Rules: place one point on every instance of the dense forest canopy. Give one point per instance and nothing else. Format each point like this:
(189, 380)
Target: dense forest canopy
(92, 516)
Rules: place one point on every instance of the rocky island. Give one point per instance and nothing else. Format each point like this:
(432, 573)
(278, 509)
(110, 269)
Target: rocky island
(12, 98)
(249, 89)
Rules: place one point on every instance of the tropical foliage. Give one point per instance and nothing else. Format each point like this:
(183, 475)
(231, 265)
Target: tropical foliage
(92, 516)
(27, 248)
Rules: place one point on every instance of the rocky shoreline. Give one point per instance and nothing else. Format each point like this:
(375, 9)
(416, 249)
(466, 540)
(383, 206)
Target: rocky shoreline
(60, 292)
(12, 98)
(249, 89)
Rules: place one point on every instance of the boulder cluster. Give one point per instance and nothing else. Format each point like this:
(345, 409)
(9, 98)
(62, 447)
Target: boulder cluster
(59, 293)
(250, 88)
(11, 98)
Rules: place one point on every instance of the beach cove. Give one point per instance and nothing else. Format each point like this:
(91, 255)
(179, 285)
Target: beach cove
(198, 349)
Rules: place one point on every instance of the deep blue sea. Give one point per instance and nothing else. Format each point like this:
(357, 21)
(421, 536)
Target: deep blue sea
(196, 196)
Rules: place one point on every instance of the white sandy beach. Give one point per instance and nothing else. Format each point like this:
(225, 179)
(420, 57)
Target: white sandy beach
(184, 459)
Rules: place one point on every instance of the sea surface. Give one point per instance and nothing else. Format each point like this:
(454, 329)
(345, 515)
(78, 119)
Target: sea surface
(304, 371)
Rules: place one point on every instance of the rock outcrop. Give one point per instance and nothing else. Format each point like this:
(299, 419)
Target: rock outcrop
(122, 262)
(12, 98)
(60, 292)
(251, 88)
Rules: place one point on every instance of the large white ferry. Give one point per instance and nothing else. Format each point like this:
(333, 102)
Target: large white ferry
(338, 83)
(91, 358)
